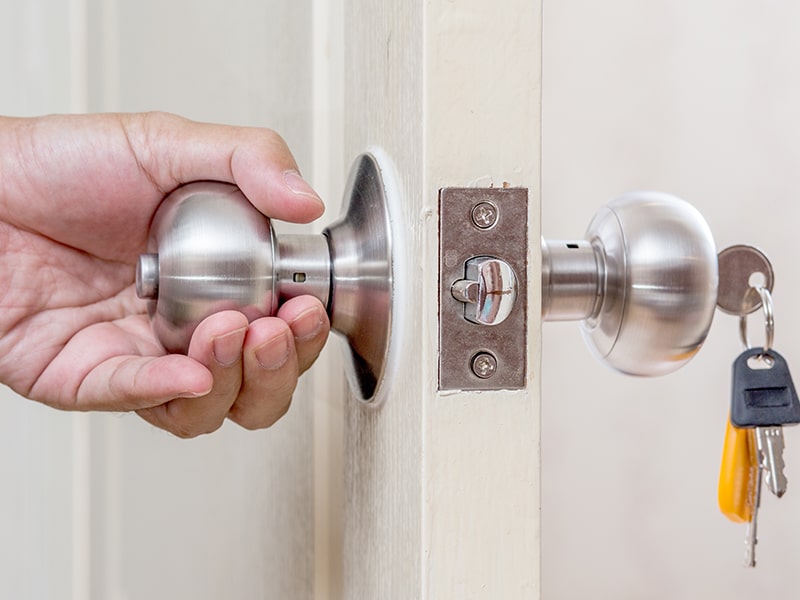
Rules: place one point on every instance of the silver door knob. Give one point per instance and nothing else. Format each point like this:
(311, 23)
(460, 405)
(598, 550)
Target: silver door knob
(211, 250)
(643, 283)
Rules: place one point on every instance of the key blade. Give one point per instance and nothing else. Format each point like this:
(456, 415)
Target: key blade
(750, 542)
(751, 536)
(770, 448)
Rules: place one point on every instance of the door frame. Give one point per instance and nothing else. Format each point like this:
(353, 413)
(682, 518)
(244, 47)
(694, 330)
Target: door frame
(441, 493)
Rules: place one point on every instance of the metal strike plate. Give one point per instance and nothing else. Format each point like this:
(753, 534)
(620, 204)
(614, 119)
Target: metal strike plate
(482, 222)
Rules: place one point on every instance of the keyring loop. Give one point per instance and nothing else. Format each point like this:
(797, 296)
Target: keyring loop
(769, 320)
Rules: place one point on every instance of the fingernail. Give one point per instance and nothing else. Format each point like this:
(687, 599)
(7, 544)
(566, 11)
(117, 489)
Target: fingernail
(227, 348)
(298, 186)
(308, 324)
(274, 353)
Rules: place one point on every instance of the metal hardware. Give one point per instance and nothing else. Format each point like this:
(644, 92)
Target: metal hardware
(484, 215)
(737, 267)
(484, 365)
(765, 300)
(643, 283)
(211, 250)
(489, 290)
(483, 250)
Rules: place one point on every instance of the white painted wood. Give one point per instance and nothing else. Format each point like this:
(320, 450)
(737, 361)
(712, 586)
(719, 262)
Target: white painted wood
(328, 388)
(443, 490)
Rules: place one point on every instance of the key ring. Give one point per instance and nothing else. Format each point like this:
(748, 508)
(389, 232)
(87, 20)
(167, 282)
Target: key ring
(769, 320)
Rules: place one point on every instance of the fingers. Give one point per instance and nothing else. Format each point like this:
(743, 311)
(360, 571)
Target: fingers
(254, 368)
(271, 371)
(132, 382)
(310, 326)
(216, 344)
(277, 351)
(257, 160)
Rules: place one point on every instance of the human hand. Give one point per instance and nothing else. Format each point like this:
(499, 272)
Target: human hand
(77, 194)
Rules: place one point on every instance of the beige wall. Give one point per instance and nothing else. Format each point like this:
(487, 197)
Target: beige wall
(699, 99)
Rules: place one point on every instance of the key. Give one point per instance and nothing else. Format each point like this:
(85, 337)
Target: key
(740, 477)
(764, 398)
(737, 267)
(751, 536)
(770, 449)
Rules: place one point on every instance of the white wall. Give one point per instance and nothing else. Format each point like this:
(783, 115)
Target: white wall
(699, 99)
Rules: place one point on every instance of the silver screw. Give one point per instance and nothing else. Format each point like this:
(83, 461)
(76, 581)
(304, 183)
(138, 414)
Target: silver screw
(484, 365)
(484, 215)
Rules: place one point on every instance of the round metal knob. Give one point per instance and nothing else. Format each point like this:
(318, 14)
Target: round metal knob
(211, 250)
(643, 283)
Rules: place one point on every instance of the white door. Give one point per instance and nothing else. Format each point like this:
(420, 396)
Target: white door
(442, 490)
(433, 495)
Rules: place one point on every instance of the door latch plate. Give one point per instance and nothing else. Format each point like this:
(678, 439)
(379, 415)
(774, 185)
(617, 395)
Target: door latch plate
(476, 222)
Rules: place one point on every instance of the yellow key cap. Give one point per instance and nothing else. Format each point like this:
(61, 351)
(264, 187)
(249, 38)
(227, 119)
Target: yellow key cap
(738, 474)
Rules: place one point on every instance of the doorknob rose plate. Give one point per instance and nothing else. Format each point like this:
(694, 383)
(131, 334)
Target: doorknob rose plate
(210, 250)
(368, 287)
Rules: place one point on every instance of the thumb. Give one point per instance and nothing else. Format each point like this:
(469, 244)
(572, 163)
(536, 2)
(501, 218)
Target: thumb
(255, 159)
(267, 173)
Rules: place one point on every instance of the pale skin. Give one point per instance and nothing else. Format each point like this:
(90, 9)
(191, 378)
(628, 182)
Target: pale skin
(77, 194)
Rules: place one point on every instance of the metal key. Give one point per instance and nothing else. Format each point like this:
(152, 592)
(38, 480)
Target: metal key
(740, 481)
(751, 536)
(769, 441)
(764, 398)
(737, 267)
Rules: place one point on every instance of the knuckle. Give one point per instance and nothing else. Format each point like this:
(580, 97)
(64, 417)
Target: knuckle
(253, 417)
(186, 423)
(306, 361)
(179, 430)
(159, 119)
